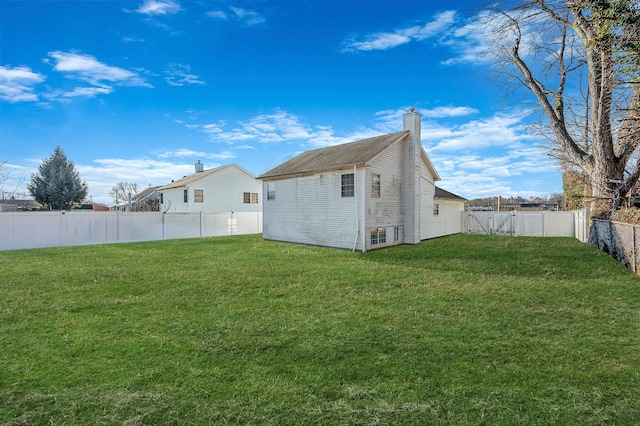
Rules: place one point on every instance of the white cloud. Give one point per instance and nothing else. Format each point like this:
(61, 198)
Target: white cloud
(179, 75)
(489, 36)
(498, 130)
(218, 14)
(158, 7)
(388, 40)
(449, 111)
(279, 126)
(89, 69)
(18, 84)
(472, 42)
(88, 92)
(248, 17)
(126, 39)
(185, 152)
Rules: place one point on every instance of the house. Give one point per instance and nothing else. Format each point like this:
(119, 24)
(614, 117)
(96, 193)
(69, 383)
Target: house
(146, 201)
(227, 188)
(13, 205)
(91, 207)
(361, 195)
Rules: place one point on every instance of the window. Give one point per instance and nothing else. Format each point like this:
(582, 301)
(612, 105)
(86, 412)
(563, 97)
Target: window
(161, 198)
(186, 195)
(254, 198)
(378, 236)
(198, 195)
(436, 209)
(348, 185)
(375, 185)
(271, 190)
(246, 197)
(397, 230)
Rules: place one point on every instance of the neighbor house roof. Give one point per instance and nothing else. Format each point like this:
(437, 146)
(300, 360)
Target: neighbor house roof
(199, 175)
(441, 193)
(338, 156)
(190, 179)
(144, 194)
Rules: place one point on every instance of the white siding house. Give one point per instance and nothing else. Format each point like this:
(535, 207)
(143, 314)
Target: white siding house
(361, 195)
(227, 188)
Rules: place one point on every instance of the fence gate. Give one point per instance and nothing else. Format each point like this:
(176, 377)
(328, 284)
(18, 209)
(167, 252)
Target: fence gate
(490, 223)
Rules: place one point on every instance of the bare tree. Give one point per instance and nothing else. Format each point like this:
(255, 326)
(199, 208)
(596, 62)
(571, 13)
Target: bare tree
(4, 178)
(122, 191)
(579, 58)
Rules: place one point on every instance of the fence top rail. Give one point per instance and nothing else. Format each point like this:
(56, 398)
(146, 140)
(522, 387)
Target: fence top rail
(614, 221)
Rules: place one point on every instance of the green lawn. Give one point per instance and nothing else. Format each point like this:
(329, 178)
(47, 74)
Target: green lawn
(465, 329)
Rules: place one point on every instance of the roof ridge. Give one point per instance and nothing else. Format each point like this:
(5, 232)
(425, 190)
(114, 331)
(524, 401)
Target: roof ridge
(336, 156)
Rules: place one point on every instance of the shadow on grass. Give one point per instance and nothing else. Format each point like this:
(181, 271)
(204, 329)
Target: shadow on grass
(528, 257)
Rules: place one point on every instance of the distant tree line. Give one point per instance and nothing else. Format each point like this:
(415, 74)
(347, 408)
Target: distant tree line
(554, 201)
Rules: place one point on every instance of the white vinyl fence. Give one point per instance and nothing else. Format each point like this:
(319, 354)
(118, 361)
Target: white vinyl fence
(528, 223)
(68, 228)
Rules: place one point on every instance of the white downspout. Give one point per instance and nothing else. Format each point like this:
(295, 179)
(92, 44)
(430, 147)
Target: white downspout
(355, 197)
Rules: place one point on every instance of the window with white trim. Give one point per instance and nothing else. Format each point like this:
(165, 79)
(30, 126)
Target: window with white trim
(436, 209)
(271, 191)
(348, 185)
(186, 195)
(246, 197)
(397, 231)
(378, 236)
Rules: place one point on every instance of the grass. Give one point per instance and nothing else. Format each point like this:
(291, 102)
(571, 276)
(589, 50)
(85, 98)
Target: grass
(465, 329)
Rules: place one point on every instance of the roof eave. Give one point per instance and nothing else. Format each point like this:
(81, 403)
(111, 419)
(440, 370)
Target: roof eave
(311, 172)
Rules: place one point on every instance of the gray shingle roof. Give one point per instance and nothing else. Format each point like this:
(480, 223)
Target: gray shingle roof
(147, 191)
(335, 157)
(441, 193)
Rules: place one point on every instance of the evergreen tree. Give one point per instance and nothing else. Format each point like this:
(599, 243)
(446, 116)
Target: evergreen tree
(57, 183)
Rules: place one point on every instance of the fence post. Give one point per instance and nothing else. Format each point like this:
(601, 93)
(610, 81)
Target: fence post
(633, 247)
(62, 238)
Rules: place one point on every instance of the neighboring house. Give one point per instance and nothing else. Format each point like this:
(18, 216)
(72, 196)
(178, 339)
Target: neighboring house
(361, 195)
(145, 201)
(227, 188)
(13, 205)
(91, 207)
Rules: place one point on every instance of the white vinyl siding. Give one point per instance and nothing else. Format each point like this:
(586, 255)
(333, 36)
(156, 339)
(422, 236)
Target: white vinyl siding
(385, 211)
(222, 191)
(312, 210)
(448, 221)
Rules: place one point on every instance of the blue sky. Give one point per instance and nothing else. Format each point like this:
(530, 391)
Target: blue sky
(139, 91)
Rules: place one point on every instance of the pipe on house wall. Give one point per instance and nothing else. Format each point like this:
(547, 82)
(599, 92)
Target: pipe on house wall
(355, 197)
